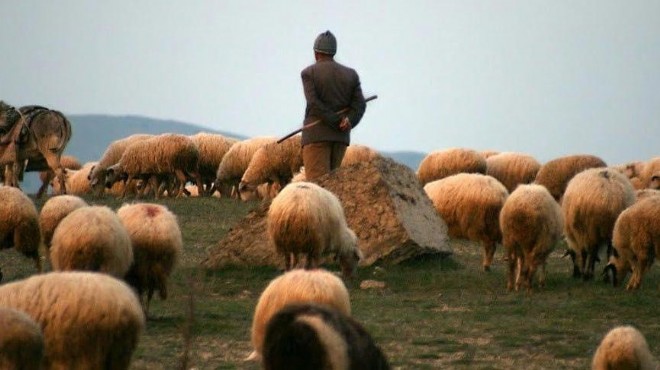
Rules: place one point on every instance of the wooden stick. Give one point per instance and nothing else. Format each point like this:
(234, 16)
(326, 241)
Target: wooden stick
(319, 121)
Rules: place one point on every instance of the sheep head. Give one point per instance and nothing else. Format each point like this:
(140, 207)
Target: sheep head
(113, 174)
(349, 255)
(616, 269)
(655, 182)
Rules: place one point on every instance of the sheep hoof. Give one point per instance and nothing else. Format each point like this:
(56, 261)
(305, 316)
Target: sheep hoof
(487, 268)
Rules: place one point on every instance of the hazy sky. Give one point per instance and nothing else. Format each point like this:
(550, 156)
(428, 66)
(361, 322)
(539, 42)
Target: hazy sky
(547, 78)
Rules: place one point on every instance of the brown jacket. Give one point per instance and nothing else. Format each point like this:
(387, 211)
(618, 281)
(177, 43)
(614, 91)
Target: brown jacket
(330, 87)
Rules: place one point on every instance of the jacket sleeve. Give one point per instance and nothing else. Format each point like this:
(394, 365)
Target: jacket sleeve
(315, 106)
(358, 105)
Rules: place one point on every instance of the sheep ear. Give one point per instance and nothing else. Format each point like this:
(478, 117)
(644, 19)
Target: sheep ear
(89, 174)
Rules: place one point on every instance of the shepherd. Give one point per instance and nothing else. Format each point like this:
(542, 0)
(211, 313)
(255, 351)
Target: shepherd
(329, 88)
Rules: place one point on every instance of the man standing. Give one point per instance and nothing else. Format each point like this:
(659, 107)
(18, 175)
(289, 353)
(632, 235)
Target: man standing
(329, 87)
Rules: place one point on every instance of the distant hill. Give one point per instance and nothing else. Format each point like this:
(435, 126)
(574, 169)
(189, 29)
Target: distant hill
(93, 133)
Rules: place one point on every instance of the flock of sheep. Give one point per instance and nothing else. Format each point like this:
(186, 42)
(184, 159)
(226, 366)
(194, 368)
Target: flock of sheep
(491, 198)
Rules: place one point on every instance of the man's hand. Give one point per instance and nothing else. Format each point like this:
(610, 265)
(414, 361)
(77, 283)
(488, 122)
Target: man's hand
(345, 124)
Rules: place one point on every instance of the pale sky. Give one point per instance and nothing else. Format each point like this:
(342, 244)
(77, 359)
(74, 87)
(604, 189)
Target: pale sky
(547, 78)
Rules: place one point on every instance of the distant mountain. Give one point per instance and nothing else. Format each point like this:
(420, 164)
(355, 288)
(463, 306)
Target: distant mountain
(93, 133)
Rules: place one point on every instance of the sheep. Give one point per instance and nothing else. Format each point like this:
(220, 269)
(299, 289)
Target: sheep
(296, 286)
(68, 162)
(644, 193)
(92, 239)
(593, 200)
(273, 163)
(636, 241)
(89, 320)
(54, 211)
(157, 245)
(212, 147)
(631, 169)
(512, 169)
(356, 153)
(444, 163)
(531, 223)
(470, 204)
(306, 219)
(21, 341)
(311, 336)
(161, 155)
(623, 348)
(111, 156)
(235, 162)
(489, 153)
(19, 224)
(76, 181)
(556, 174)
(650, 175)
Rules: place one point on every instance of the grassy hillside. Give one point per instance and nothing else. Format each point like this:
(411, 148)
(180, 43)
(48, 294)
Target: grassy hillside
(433, 313)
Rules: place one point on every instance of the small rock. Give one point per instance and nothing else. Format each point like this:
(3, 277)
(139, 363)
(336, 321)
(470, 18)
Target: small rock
(372, 284)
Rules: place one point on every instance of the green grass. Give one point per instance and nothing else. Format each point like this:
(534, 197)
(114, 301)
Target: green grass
(433, 313)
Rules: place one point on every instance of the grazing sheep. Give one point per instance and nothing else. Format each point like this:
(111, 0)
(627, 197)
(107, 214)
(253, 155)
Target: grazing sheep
(356, 153)
(89, 320)
(556, 174)
(593, 200)
(306, 219)
(650, 175)
(470, 204)
(19, 224)
(157, 245)
(636, 241)
(212, 147)
(296, 286)
(21, 341)
(111, 156)
(76, 181)
(273, 163)
(623, 348)
(531, 224)
(68, 162)
(444, 163)
(644, 193)
(235, 162)
(311, 336)
(512, 169)
(54, 211)
(92, 239)
(161, 156)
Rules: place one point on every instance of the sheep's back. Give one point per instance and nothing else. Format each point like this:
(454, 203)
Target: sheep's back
(556, 174)
(444, 163)
(512, 169)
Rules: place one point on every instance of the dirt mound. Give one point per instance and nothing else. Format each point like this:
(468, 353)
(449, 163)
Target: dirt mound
(384, 204)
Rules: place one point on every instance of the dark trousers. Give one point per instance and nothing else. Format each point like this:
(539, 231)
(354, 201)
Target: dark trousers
(321, 158)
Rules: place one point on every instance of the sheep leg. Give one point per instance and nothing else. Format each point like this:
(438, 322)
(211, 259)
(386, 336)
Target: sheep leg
(46, 182)
(125, 189)
(513, 271)
(592, 256)
(489, 252)
(182, 179)
(54, 165)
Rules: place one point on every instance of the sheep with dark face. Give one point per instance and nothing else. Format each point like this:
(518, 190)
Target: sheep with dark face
(636, 241)
(593, 200)
(311, 336)
(296, 286)
(305, 219)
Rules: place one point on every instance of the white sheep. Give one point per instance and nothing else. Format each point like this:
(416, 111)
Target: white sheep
(512, 169)
(444, 163)
(54, 211)
(235, 162)
(531, 223)
(593, 200)
(89, 320)
(212, 147)
(21, 341)
(273, 163)
(157, 245)
(160, 156)
(306, 219)
(650, 174)
(623, 348)
(19, 224)
(333, 340)
(68, 162)
(296, 286)
(470, 204)
(636, 241)
(556, 174)
(76, 181)
(356, 153)
(92, 239)
(111, 156)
